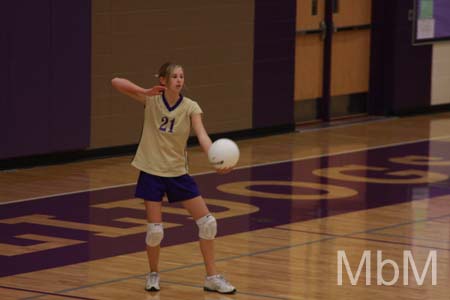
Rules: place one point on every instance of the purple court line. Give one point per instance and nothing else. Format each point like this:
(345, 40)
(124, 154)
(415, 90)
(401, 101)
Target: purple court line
(44, 293)
(240, 167)
(362, 239)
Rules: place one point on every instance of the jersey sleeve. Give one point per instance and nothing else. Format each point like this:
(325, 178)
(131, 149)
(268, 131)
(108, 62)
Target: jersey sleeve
(195, 109)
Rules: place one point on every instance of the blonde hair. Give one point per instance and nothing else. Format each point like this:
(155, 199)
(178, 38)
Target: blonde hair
(167, 69)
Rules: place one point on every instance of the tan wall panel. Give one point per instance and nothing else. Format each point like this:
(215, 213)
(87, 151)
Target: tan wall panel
(101, 44)
(102, 93)
(213, 40)
(102, 23)
(98, 6)
(308, 67)
(219, 114)
(115, 130)
(305, 19)
(350, 62)
(353, 12)
(440, 77)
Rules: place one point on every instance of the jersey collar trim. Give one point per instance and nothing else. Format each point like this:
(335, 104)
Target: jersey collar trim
(169, 108)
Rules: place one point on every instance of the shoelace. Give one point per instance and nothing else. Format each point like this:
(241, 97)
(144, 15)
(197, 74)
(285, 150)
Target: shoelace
(153, 278)
(221, 278)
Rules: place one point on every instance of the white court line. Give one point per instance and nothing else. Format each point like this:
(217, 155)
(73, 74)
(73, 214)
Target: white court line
(238, 168)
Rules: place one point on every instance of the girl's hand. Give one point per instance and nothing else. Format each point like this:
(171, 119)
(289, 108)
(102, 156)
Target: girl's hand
(224, 170)
(156, 90)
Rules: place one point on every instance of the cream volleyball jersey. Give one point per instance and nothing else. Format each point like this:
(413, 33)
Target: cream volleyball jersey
(162, 149)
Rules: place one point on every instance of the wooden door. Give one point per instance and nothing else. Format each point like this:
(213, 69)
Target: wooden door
(332, 59)
(309, 57)
(350, 53)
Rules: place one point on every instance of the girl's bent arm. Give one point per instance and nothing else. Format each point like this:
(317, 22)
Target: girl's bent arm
(136, 92)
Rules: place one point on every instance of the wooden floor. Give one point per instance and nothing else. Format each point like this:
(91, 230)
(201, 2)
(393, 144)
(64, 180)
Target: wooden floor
(296, 258)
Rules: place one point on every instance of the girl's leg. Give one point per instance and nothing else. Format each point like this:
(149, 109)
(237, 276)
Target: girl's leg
(154, 215)
(197, 208)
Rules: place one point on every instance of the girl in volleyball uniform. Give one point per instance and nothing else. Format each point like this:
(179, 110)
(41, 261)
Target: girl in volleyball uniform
(162, 149)
(161, 159)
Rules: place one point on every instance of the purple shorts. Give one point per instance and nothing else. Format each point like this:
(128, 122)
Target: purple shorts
(152, 188)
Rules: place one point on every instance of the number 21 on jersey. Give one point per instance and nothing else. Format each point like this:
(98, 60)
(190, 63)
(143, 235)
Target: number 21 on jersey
(167, 123)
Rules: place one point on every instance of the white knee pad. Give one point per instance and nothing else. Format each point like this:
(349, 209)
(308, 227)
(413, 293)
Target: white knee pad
(155, 234)
(207, 227)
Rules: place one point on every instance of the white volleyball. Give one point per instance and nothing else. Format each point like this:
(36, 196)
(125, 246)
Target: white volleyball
(223, 153)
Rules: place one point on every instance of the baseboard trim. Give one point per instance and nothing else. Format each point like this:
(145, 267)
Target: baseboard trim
(422, 110)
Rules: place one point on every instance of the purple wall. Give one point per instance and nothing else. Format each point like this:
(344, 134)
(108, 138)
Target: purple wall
(400, 73)
(4, 75)
(274, 63)
(70, 105)
(26, 109)
(47, 102)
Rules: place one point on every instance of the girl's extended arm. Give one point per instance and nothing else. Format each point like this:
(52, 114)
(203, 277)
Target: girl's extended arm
(200, 132)
(203, 137)
(136, 92)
